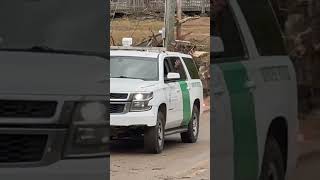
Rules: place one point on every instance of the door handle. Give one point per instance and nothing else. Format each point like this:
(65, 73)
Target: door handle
(250, 85)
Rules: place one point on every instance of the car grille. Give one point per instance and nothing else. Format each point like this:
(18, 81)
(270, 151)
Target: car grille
(22, 148)
(117, 108)
(27, 109)
(118, 96)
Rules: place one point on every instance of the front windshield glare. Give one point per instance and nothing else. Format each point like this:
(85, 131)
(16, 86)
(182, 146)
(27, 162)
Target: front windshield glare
(134, 68)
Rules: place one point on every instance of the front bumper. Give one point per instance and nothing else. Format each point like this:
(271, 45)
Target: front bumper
(146, 118)
(71, 169)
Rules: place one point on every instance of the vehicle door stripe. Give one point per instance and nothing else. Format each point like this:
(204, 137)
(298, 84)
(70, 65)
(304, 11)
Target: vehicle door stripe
(246, 158)
(186, 103)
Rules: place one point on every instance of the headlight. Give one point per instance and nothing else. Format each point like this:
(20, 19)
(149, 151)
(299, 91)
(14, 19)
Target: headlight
(93, 112)
(89, 132)
(91, 135)
(88, 141)
(142, 96)
(140, 102)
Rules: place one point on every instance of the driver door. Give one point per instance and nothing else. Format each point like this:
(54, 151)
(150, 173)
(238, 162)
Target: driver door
(174, 114)
(235, 138)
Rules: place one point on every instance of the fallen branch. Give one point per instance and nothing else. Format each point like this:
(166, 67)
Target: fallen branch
(151, 41)
(185, 35)
(186, 20)
(200, 54)
(112, 40)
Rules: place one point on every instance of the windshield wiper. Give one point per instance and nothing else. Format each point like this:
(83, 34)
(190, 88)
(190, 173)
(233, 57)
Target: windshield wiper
(41, 48)
(35, 49)
(47, 49)
(126, 77)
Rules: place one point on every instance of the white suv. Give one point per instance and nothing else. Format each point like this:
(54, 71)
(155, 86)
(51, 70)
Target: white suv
(254, 94)
(154, 93)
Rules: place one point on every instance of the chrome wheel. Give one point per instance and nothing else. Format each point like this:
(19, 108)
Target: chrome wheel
(160, 133)
(272, 172)
(195, 124)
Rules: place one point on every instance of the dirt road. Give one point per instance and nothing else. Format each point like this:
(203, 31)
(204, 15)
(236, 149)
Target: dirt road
(309, 147)
(177, 161)
(309, 168)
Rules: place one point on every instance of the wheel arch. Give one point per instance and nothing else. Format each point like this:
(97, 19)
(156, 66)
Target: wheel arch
(163, 109)
(197, 104)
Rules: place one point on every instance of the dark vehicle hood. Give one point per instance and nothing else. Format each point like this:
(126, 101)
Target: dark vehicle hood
(31, 73)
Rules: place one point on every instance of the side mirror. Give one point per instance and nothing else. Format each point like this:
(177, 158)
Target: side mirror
(217, 45)
(173, 77)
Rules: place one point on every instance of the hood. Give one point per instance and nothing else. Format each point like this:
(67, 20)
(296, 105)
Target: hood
(34, 73)
(118, 85)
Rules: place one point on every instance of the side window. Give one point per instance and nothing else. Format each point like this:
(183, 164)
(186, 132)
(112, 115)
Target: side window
(166, 67)
(281, 11)
(178, 67)
(225, 26)
(174, 64)
(192, 68)
(264, 26)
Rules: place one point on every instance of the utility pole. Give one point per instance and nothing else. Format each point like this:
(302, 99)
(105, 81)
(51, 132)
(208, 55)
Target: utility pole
(179, 17)
(203, 7)
(170, 7)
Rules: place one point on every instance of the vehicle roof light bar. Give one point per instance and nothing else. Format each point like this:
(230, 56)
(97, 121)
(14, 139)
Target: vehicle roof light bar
(146, 49)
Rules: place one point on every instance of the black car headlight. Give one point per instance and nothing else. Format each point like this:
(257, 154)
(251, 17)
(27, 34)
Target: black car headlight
(92, 112)
(90, 130)
(140, 102)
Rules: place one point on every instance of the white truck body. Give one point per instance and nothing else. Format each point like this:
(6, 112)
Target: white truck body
(254, 97)
(164, 93)
(175, 99)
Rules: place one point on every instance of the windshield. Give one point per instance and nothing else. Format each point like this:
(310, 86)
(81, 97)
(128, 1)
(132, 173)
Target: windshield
(69, 25)
(134, 68)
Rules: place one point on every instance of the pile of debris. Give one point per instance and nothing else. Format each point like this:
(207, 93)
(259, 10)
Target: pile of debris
(198, 49)
(303, 40)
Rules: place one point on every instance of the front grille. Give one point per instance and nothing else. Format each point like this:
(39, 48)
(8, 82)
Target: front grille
(116, 108)
(22, 148)
(118, 96)
(27, 109)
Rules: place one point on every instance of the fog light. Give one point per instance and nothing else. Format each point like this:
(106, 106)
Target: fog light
(91, 136)
(140, 106)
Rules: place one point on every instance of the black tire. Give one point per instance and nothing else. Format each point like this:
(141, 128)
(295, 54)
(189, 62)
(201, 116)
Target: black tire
(191, 136)
(272, 165)
(152, 142)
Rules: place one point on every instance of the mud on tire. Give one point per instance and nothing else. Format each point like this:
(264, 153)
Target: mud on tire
(272, 166)
(154, 136)
(191, 135)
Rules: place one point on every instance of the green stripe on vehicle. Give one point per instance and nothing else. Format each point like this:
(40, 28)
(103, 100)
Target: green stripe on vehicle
(186, 103)
(246, 158)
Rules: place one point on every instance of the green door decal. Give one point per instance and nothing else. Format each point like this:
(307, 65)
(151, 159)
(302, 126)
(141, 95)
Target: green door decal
(246, 158)
(186, 103)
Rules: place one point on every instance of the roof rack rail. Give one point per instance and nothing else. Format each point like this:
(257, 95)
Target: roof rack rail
(153, 49)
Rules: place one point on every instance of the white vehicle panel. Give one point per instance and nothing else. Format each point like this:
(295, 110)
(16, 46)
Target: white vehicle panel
(163, 93)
